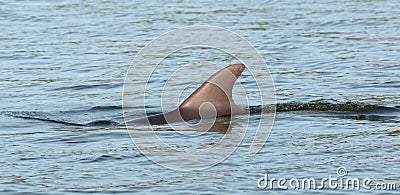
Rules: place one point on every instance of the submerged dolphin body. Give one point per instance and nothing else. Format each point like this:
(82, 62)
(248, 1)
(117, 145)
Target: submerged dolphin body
(212, 99)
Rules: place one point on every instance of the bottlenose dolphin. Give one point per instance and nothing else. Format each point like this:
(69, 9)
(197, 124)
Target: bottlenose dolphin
(212, 99)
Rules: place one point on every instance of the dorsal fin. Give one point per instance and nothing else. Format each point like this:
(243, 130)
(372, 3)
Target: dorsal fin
(217, 90)
(212, 99)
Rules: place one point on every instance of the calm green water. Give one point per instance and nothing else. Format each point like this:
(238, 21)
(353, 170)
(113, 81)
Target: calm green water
(335, 64)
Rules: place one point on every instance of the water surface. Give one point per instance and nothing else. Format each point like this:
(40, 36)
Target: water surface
(335, 65)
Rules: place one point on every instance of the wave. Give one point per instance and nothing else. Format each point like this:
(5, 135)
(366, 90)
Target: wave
(111, 116)
(336, 109)
(325, 105)
(84, 87)
(72, 118)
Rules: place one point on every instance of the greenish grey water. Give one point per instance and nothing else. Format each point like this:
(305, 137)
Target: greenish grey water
(335, 65)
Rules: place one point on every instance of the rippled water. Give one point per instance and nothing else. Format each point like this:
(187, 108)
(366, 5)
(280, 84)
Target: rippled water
(335, 66)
